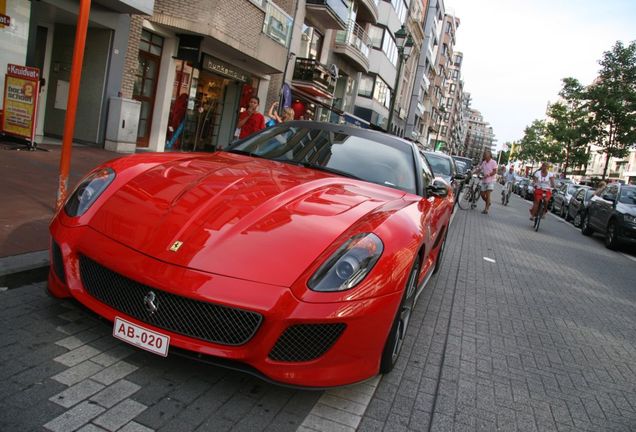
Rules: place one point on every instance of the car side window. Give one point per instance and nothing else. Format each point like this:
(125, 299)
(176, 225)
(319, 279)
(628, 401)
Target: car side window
(610, 193)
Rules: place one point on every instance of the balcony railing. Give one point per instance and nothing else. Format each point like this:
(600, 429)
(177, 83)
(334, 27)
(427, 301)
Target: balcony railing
(277, 24)
(315, 74)
(354, 36)
(337, 8)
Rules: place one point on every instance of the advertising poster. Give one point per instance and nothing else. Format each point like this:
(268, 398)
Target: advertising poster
(21, 88)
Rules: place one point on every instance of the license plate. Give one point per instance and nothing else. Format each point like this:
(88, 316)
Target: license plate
(141, 337)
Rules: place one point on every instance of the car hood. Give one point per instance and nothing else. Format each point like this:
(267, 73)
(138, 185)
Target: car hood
(629, 209)
(237, 216)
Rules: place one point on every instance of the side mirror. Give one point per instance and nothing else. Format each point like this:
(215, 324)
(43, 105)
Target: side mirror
(460, 177)
(437, 188)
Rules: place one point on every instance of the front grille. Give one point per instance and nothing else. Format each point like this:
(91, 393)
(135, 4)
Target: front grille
(305, 342)
(58, 263)
(201, 320)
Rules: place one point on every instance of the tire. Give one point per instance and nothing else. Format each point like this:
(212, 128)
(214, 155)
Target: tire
(440, 255)
(539, 216)
(577, 220)
(586, 230)
(397, 333)
(465, 198)
(611, 241)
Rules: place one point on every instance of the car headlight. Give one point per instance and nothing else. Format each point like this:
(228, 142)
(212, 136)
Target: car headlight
(348, 265)
(630, 218)
(88, 191)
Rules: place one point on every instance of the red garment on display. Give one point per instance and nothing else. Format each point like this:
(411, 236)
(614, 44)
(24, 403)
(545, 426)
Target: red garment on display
(299, 110)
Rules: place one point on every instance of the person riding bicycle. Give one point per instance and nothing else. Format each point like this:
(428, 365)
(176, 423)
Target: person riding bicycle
(509, 179)
(488, 167)
(543, 182)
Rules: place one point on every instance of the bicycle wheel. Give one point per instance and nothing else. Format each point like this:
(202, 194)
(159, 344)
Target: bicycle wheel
(474, 198)
(539, 216)
(465, 198)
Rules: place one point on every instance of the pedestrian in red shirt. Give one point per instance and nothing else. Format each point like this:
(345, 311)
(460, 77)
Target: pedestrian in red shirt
(251, 121)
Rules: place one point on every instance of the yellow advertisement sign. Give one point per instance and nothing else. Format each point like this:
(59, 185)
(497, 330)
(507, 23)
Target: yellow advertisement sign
(20, 100)
(5, 20)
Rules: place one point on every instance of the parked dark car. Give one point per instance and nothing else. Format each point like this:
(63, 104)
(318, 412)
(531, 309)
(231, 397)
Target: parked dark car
(613, 213)
(520, 185)
(578, 205)
(562, 197)
(444, 166)
(463, 164)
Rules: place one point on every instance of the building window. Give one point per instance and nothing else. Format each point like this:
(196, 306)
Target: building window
(375, 36)
(150, 43)
(390, 48)
(400, 9)
(365, 86)
(381, 92)
(310, 43)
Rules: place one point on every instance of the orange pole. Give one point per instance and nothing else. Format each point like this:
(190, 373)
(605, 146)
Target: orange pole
(73, 94)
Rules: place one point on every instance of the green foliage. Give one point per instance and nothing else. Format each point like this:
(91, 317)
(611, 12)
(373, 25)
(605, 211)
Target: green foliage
(611, 101)
(603, 114)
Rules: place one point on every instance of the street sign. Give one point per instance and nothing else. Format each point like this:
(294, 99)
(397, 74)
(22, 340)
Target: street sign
(21, 89)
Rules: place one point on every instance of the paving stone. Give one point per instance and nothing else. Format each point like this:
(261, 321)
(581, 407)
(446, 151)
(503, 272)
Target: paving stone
(115, 393)
(75, 417)
(119, 415)
(76, 393)
(77, 373)
(77, 356)
(113, 373)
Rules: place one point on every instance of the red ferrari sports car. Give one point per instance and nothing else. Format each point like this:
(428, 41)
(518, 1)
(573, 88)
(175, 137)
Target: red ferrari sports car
(296, 254)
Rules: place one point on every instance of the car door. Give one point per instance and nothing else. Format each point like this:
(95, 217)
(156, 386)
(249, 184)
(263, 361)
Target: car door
(433, 219)
(605, 206)
(576, 202)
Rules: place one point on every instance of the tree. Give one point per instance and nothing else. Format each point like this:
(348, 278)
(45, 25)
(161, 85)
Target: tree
(568, 125)
(611, 101)
(537, 145)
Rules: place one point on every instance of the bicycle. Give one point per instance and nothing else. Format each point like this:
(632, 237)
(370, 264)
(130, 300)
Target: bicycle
(505, 193)
(470, 194)
(541, 210)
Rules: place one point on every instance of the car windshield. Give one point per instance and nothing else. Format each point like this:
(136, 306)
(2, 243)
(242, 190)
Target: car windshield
(572, 189)
(388, 163)
(439, 164)
(628, 195)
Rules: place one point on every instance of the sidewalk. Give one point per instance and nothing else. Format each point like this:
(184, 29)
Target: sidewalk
(29, 190)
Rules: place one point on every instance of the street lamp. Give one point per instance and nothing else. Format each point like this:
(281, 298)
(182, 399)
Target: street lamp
(404, 44)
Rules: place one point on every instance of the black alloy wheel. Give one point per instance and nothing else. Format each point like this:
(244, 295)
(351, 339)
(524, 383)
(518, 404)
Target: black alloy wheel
(397, 334)
(586, 230)
(611, 241)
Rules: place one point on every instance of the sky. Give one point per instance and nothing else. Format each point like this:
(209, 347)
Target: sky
(516, 52)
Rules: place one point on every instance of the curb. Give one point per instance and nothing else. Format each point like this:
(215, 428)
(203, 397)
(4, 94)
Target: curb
(25, 267)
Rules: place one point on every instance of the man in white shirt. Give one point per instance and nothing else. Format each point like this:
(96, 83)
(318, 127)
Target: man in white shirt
(543, 181)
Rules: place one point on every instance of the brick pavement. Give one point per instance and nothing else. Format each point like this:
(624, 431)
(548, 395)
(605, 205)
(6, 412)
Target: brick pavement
(543, 339)
(63, 371)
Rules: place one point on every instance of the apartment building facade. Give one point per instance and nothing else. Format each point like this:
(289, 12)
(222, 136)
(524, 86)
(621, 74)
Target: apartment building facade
(424, 100)
(479, 136)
